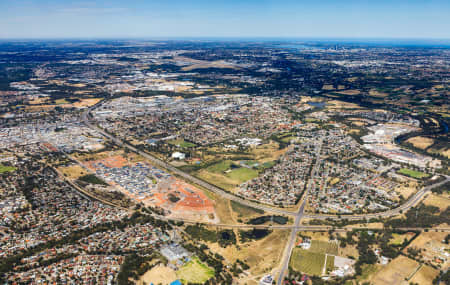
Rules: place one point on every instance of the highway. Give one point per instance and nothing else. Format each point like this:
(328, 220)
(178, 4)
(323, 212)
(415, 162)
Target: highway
(185, 175)
(299, 215)
(412, 201)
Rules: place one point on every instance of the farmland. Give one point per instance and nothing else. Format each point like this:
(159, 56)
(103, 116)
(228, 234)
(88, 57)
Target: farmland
(324, 247)
(307, 262)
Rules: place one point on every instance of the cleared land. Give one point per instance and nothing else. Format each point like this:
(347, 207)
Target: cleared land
(421, 142)
(307, 262)
(437, 200)
(406, 190)
(73, 171)
(433, 249)
(425, 275)
(396, 271)
(244, 210)
(261, 255)
(195, 272)
(159, 274)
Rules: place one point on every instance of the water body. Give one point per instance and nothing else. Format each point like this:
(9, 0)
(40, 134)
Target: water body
(319, 105)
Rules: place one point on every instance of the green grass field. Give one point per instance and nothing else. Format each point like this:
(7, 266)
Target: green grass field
(324, 247)
(268, 164)
(195, 272)
(413, 173)
(182, 143)
(242, 174)
(288, 139)
(307, 262)
(4, 168)
(220, 167)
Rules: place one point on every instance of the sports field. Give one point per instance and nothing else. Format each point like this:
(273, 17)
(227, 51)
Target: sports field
(413, 173)
(4, 168)
(195, 272)
(307, 262)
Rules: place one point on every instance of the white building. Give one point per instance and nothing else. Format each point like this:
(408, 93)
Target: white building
(178, 155)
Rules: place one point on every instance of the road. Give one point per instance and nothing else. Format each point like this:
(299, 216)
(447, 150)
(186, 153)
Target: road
(412, 201)
(299, 215)
(293, 237)
(183, 174)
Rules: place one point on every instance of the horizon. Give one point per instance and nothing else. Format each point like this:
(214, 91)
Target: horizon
(348, 19)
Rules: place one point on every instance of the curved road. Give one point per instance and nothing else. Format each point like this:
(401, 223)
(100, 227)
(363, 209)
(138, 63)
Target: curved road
(299, 215)
(413, 200)
(183, 174)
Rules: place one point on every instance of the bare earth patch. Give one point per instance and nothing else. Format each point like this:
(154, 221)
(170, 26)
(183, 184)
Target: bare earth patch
(425, 275)
(421, 142)
(396, 271)
(159, 274)
(437, 200)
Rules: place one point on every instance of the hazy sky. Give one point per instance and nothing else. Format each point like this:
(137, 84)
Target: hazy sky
(230, 18)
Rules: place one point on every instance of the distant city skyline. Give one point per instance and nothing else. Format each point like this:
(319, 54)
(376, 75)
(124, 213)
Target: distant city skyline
(247, 18)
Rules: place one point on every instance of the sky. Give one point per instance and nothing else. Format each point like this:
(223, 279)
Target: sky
(397, 19)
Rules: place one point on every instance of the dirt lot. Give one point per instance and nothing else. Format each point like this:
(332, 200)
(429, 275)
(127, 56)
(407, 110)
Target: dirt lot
(432, 247)
(349, 92)
(396, 271)
(439, 201)
(406, 190)
(73, 172)
(261, 255)
(320, 236)
(159, 274)
(421, 142)
(336, 104)
(425, 275)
